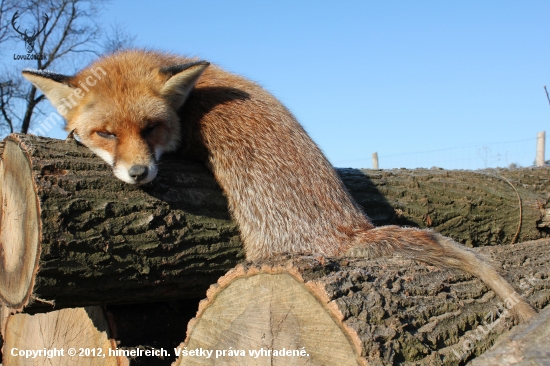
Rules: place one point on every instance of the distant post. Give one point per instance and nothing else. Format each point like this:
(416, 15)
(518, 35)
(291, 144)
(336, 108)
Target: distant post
(541, 142)
(375, 160)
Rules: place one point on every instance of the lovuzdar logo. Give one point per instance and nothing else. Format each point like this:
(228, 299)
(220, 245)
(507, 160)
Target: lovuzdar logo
(29, 39)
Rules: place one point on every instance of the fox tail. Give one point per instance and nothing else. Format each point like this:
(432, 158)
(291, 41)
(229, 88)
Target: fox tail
(435, 249)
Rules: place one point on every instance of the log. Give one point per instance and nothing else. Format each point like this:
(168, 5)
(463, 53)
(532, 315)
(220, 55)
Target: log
(314, 310)
(475, 208)
(144, 334)
(74, 235)
(65, 337)
(525, 345)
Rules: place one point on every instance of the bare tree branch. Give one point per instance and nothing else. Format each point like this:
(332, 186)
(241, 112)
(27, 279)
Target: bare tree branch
(118, 39)
(6, 7)
(5, 96)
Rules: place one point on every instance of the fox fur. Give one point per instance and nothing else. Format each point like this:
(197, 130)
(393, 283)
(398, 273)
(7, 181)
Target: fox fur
(282, 191)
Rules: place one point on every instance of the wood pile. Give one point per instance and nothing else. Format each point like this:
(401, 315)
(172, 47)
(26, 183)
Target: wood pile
(115, 272)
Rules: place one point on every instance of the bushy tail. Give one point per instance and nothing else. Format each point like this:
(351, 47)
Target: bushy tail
(435, 249)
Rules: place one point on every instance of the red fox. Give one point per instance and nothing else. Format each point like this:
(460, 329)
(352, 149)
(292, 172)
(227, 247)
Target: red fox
(132, 106)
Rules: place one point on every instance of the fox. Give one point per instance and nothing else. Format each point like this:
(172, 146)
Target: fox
(132, 106)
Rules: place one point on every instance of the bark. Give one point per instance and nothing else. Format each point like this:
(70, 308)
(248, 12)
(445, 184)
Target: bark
(101, 241)
(527, 344)
(358, 312)
(97, 240)
(475, 208)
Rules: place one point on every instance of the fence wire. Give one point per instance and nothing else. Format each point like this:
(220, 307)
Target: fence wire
(507, 154)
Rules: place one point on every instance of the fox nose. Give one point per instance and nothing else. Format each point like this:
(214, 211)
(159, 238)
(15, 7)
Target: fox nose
(138, 172)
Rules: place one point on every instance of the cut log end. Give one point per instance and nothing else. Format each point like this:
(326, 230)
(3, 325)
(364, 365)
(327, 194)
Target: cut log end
(268, 316)
(19, 226)
(66, 337)
(345, 311)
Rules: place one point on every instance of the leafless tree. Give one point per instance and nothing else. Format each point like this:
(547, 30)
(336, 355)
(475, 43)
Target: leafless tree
(117, 39)
(71, 37)
(9, 93)
(6, 7)
(6, 82)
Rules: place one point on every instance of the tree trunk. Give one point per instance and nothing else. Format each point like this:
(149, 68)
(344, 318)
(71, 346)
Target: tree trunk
(64, 337)
(74, 234)
(94, 239)
(358, 312)
(475, 208)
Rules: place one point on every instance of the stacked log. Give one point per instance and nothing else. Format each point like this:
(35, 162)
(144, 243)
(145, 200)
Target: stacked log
(527, 344)
(360, 312)
(475, 208)
(78, 336)
(84, 251)
(98, 240)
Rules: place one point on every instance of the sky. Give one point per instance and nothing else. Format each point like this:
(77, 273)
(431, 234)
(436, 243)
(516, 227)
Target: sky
(452, 84)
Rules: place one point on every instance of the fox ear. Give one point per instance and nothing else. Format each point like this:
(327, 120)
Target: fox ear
(182, 80)
(51, 84)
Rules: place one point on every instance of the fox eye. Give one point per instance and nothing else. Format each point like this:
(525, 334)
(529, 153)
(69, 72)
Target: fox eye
(106, 135)
(149, 129)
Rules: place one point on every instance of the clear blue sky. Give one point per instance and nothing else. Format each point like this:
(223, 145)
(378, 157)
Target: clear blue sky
(396, 77)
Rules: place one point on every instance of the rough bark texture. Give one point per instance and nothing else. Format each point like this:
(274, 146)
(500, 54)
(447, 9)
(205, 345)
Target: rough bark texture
(107, 242)
(104, 241)
(526, 345)
(391, 310)
(475, 208)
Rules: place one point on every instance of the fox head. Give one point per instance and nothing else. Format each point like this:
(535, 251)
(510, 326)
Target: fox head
(124, 108)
